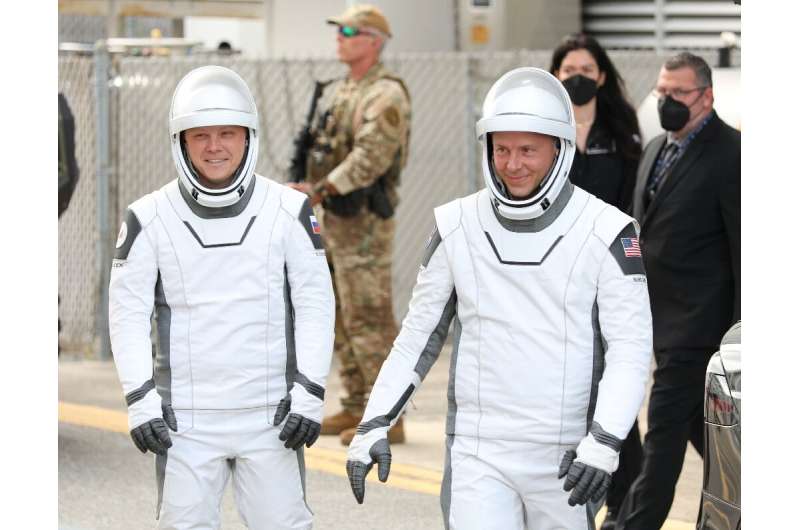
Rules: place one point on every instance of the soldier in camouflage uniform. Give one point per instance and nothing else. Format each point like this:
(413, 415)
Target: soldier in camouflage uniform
(361, 144)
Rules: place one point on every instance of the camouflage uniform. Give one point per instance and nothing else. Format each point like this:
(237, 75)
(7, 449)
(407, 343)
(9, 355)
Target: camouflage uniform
(362, 138)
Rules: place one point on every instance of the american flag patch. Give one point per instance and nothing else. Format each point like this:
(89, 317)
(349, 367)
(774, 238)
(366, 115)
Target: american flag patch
(631, 247)
(315, 225)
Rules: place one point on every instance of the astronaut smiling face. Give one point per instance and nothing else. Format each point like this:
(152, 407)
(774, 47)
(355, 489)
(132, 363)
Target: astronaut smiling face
(216, 152)
(522, 160)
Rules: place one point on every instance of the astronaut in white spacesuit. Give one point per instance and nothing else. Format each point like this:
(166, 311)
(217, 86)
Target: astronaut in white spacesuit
(552, 329)
(235, 266)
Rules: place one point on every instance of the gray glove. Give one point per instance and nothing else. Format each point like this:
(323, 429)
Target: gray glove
(357, 469)
(153, 434)
(586, 482)
(588, 468)
(298, 430)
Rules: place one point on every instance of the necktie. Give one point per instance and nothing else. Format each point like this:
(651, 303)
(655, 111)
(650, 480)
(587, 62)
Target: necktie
(663, 165)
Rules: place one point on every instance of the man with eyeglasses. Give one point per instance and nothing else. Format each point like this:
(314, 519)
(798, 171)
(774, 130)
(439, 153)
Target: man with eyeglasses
(353, 169)
(687, 200)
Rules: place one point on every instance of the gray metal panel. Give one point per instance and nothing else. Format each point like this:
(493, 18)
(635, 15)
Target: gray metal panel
(703, 25)
(721, 7)
(618, 8)
(679, 42)
(660, 24)
(637, 40)
(623, 25)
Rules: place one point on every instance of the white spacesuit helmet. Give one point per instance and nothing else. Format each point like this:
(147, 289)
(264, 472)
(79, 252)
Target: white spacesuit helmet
(206, 96)
(532, 100)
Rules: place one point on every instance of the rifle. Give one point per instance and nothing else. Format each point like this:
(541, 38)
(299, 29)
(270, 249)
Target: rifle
(349, 205)
(305, 139)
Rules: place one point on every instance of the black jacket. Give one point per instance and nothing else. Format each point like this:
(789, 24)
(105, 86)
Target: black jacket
(67, 164)
(602, 171)
(690, 239)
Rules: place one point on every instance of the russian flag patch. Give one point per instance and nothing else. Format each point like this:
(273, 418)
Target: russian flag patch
(314, 224)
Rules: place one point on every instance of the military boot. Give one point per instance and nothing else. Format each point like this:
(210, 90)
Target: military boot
(396, 434)
(341, 421)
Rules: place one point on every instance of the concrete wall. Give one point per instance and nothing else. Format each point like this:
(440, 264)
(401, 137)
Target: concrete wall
(420, 25)
(417, 25)
(481, 26)
(540, 24)
(244, 34)
(297, 27)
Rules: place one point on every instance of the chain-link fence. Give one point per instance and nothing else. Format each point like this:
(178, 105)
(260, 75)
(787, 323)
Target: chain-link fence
(81, 28)
(78, 284)
(446, 88)
(88, 29)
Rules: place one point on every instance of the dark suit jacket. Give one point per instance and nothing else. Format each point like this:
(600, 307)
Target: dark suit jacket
(690, 239)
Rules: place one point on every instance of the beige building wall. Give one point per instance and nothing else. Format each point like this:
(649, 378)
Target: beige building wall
(540, 24)
(516, 24)
(299, 26)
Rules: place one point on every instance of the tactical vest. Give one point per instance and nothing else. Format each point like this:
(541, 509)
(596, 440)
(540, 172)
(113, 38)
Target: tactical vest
(334, 138)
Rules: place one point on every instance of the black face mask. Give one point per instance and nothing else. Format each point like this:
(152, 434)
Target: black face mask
(580, 88)
(672, 114)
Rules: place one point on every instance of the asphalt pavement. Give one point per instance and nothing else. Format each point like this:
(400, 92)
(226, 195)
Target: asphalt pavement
(106, 484)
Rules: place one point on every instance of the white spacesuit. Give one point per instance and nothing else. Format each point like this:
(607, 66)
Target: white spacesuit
(552, 336)
(245, 317)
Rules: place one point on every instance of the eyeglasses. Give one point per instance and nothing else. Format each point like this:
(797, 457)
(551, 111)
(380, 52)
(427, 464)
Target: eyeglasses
(678, 93)
(352, 31)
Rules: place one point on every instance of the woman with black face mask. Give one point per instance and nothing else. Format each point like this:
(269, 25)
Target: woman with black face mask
(609, 144)
(609, 148)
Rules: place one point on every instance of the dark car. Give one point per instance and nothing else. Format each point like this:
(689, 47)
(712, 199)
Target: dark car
(722, 483)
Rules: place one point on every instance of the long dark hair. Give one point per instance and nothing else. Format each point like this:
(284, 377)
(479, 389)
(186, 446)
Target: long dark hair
(613, 106)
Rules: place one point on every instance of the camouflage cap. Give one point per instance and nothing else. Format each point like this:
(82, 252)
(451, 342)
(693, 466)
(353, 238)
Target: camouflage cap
(362, 16)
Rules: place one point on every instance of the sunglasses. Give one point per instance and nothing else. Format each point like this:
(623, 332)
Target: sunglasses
(352, 31)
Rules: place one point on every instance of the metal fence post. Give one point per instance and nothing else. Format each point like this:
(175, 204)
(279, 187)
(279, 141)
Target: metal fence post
(102, 67)
(660, 21)
(472, 163)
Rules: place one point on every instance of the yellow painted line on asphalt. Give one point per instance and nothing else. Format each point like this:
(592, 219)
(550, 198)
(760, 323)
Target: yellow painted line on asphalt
(402, 476)
(96, 417)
